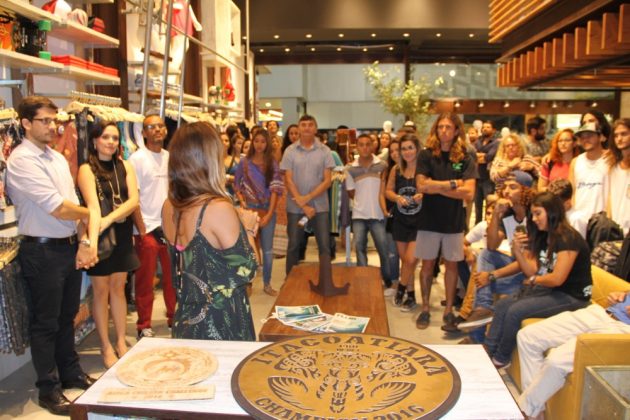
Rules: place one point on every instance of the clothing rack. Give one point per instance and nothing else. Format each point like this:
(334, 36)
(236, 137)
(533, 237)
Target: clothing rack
(94, 99)
(8, 114)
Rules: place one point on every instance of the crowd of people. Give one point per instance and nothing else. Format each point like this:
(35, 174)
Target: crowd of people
(532, 199)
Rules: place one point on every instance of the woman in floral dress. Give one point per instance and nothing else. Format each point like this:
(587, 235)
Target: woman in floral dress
(214, 260)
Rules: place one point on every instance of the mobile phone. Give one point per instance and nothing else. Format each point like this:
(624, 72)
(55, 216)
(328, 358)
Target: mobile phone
(520, 229)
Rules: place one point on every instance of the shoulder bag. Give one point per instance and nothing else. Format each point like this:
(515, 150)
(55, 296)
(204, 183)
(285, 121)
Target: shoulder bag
(107, 239)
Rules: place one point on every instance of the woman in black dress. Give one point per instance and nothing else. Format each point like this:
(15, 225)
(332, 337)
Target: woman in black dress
(107, 177)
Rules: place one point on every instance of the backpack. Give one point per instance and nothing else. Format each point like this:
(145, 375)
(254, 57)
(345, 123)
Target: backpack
(623, 262)
(601, 228)
(606, 255)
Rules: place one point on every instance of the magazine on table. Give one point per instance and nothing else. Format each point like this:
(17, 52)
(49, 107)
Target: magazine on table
(294, 313)
(347, 323)
(311, 318)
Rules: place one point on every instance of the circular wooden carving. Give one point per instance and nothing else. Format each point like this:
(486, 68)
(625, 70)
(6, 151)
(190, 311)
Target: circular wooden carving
(168, 366)
(346, 376)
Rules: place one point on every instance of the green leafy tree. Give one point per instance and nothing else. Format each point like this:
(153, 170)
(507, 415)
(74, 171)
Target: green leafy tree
(411, 99)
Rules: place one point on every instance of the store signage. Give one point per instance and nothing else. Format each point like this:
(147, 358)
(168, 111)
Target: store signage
(345, 376)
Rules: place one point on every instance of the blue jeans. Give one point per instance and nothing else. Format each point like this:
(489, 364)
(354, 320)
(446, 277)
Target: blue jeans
(376, 227)
(490, 261)
(541, 302)
(266, 243)
(321, 227)
(392, 258)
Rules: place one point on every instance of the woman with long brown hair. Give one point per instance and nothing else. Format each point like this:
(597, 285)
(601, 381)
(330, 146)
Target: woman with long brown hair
(106, 178)
(214, 259)
(401, 190)
(258, 185)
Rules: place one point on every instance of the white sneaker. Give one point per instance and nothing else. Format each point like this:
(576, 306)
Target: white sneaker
(146, 332)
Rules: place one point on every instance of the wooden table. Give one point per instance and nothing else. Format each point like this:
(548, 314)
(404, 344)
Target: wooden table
(483, 394)
(364, 298)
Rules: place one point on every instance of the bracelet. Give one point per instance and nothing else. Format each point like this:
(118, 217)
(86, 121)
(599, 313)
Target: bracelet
(532, 280)
(492, 278)
(453, 184)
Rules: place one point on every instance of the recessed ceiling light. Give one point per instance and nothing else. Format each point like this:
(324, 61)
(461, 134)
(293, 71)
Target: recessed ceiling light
(261, 50)
(373, 35)
(471, 35)
(391, 48)
(287, 49)
(438, 34)
(312, 48)
(276, 36)
(340, 35)
(406, 35)
(452, 73)
(244, 37)
(268, 104)
(364, 49)
(338, 48)
(309, 35)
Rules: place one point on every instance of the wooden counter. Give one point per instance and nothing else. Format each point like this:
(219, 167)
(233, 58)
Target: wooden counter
(364, 298)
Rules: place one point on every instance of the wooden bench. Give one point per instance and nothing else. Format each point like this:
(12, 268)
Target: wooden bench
(364, 298)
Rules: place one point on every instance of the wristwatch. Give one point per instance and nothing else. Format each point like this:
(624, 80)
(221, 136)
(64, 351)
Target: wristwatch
(532, 280)
(85, 242)
(492, 278)
(453, 184)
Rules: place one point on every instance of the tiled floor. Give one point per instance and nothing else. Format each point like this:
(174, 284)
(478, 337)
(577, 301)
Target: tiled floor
(18, 395)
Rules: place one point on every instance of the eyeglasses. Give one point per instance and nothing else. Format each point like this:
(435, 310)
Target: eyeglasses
(154, 126)
(45, 121)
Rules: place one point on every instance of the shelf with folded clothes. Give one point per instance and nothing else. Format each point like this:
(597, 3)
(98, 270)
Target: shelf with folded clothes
(171, 94)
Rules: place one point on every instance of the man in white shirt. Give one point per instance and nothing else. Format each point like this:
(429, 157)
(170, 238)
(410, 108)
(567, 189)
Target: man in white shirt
(41, 187)
(151, 165)
(363, 183)
(589, 172)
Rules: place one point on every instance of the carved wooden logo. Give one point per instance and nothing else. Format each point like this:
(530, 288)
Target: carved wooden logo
(345, 376)
(167, 366)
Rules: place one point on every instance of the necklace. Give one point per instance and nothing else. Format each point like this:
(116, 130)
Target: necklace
(117, 200)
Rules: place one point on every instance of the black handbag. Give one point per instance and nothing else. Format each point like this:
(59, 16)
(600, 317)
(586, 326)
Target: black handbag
(107, 239)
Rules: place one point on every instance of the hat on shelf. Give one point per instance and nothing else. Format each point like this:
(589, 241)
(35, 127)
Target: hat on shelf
(590, 127)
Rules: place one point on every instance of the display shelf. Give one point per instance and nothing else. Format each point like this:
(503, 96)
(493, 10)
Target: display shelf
(75, 73)
(62, 28)
(27, 63)
(90, 38)
(89, 76)
(28, 10)
(188, 98)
